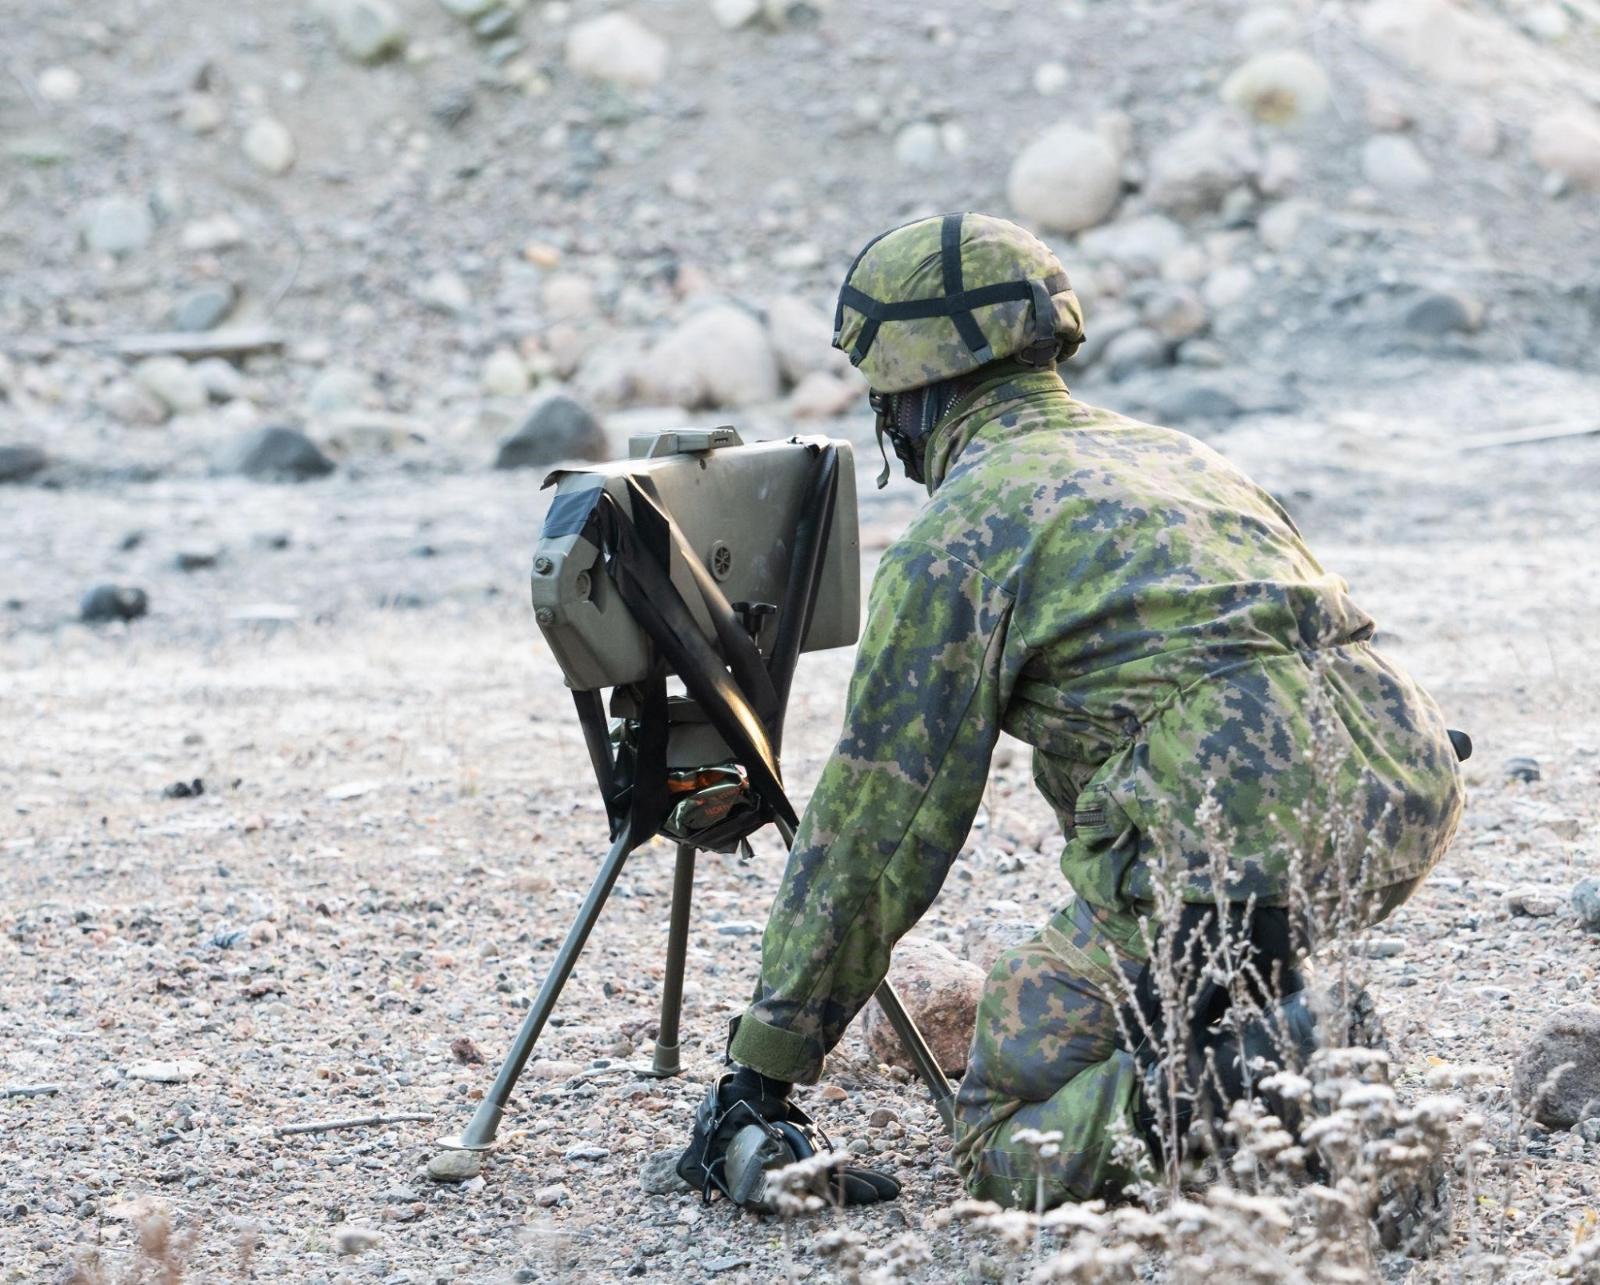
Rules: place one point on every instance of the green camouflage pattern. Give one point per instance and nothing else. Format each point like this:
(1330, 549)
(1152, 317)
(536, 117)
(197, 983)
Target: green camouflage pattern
(1123, 599)
(905, 264)
(1047, 1056)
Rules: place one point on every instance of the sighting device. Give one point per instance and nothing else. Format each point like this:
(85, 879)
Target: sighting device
(716, 563)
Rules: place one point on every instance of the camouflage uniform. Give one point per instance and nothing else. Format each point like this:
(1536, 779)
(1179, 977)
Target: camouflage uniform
(1121, 598)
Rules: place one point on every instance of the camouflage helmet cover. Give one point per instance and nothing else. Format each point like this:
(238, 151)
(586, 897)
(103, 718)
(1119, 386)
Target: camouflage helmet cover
(936, 298)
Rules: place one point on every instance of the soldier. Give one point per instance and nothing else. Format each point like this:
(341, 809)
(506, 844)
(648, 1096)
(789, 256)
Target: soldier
(1124, 600)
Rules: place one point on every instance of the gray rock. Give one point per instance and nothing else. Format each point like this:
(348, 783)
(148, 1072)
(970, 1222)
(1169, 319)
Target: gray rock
(467, 10)
(1567, 142)
(658, 1176)
(941, 994)
(1139, 246)
(1197, 400)
(19, 463)
(204, 307)
(917, 146)
(1194, 170)
(557, 428)
(494, 24)
(118, 225)
(1522, 767)
(1533, 902)
(1586, 902)
(454, 1165)
(1443, 312)
(275, 453)
(452, 106)
(1559, 1101)
(366, 31)
(1393, 163)
(1174, 312)
(985, 939)
(724, 1263)
(108, 602)
(1132, 350)
(198, 557)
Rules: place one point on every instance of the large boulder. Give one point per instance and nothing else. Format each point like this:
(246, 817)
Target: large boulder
(1191, 172)
(1560, 1098)
(1067, 179)
(275, 453)
(802, 338)
(617, 48)
(556, 428)
(941, 993)
(719, 356)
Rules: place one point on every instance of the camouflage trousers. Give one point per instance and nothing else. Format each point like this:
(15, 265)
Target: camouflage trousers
(1047, 1056)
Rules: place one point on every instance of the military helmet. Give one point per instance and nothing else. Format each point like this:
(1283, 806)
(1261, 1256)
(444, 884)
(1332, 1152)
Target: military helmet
(939, 297)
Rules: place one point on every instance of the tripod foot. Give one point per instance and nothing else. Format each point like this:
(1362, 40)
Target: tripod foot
(666, 1062)
(479, 1133)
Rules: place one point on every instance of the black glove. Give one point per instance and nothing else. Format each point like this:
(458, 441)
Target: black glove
(746, 1098)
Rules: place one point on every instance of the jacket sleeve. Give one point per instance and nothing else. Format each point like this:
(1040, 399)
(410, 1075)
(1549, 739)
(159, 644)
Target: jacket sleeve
(892, 808)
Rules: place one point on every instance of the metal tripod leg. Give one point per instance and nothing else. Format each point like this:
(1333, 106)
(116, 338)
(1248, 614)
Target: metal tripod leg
(479, 1134)
(666, 1058)
(911, 1038)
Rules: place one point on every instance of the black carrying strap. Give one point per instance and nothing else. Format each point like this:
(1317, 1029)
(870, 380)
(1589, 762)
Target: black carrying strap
(646, 588)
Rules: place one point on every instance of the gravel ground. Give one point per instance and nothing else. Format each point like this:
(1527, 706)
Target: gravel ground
(396, 827)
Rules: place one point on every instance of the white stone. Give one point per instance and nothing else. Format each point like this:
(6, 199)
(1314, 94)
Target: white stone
(338, 389)
(617, 48)
(1192, 171)
(467, 10)
(446, 292)
(180, 1071)
(1391, 162)
(733, 14)
(217, 232)
(1278, 88)
(173, 381)
(1175, 313)
(59, 84)
(269, 146)
(1280, 170)
(1567, 142)
(118, 225)
(1279, 224)
(200, 113)
(1228, 285)
(504, 374)
(918, 147)
(719, 356)
(1066, 180)
(1050, 78)
(567, 296)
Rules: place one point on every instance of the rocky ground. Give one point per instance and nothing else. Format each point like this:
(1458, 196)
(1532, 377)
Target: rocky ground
(380, 247)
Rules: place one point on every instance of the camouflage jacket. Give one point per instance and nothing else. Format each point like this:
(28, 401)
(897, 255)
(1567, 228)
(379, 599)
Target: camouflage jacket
(1201, 696)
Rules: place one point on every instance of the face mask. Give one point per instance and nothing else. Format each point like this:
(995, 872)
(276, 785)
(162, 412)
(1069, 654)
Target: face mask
(891, 409)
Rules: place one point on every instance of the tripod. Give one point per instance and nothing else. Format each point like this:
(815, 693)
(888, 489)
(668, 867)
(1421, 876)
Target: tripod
(728, 726)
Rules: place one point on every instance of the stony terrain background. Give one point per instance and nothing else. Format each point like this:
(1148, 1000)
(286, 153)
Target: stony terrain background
(383, 245)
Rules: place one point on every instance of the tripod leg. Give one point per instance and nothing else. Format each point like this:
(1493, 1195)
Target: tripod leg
(912, 1040)
(666, 1058)
(479, 1134)
(910, 1037)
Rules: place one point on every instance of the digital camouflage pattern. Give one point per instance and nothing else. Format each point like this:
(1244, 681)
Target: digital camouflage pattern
(1123, 599)
(1046, 1056)
(905, 264)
